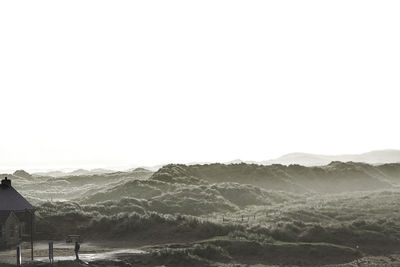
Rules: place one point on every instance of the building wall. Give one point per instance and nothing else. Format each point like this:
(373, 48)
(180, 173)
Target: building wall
(10, 231)
(2, 236)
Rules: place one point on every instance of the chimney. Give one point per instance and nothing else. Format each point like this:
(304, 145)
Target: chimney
(5, 182)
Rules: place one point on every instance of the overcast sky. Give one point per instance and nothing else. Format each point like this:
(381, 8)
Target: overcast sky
(125, 83)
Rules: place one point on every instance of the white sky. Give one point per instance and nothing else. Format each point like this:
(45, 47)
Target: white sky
(124, 83)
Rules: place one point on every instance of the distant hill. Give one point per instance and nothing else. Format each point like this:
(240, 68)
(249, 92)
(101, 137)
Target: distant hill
(77, 172)
(140, 169)
(308, 159)
(335, 177)
(22, 173)
(144, 169)
(305, 159)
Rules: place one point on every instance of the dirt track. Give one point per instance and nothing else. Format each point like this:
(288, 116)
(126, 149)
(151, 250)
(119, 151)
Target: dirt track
(89, 252)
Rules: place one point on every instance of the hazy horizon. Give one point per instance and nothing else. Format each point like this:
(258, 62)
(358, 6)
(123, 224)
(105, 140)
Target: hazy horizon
(124, 167)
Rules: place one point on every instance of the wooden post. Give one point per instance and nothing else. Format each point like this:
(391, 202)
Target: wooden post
(32, 217)
(51, 254)
(19, 256)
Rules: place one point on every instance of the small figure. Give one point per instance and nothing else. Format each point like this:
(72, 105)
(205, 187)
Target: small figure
(77, 247)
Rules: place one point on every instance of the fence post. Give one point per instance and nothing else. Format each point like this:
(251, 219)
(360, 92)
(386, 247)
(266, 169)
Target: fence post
(32, 218)
(19, 256)
(51, 255)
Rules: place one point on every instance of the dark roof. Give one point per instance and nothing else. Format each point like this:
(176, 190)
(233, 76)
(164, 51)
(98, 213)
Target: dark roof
(11, 200)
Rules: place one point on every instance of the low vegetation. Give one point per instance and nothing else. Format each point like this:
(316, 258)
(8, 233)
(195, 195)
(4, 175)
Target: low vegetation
(242, 213)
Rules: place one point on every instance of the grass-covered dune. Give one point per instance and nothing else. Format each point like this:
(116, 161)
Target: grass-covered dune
(337, 177)
(172, 198)
(232, 242)
(56, 220)
(39, 188)
(369, 221)
(240, 213)
(339, 227)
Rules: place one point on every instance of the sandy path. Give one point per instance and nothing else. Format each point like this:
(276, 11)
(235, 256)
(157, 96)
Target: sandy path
(62, 251)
